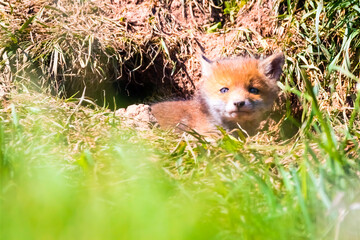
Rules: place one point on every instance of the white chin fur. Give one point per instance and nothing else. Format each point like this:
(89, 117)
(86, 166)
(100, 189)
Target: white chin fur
(234, 115)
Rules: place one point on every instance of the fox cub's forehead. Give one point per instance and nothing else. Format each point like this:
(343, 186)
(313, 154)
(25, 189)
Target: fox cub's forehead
(236, 72)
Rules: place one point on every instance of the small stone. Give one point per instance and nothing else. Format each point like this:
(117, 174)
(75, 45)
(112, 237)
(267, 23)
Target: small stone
(138, 116)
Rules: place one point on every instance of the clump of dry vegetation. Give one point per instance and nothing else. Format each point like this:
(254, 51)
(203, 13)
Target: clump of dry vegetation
(124, 49)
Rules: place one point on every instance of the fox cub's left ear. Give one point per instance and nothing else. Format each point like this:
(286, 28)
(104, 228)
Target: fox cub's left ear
(206, 66)
(272, 66)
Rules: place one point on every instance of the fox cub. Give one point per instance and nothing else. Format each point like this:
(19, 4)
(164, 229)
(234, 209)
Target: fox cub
(233, 92)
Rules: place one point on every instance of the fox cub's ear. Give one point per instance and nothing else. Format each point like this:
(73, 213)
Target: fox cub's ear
(272, 66)
(206, 66)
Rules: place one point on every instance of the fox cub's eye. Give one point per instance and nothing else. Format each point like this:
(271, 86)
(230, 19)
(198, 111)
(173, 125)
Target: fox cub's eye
(254, 90)
(224, 90)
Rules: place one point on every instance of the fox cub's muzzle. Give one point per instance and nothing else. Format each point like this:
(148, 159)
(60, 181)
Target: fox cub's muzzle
(239, 104)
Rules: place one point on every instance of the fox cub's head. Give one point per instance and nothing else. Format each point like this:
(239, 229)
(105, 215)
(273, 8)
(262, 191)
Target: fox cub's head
(241, 88)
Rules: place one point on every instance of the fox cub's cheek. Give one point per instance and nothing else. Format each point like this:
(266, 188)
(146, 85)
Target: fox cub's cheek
(257, 98)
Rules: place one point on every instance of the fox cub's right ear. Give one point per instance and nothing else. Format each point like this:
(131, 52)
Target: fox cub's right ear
(272, 66)
(206, 66)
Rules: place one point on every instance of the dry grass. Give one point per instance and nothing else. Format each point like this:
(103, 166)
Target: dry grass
(95, 44)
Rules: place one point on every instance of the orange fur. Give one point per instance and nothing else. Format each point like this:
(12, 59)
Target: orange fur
(232, 92)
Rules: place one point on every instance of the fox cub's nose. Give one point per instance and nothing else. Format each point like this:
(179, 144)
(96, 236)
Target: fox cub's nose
(239, 104)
